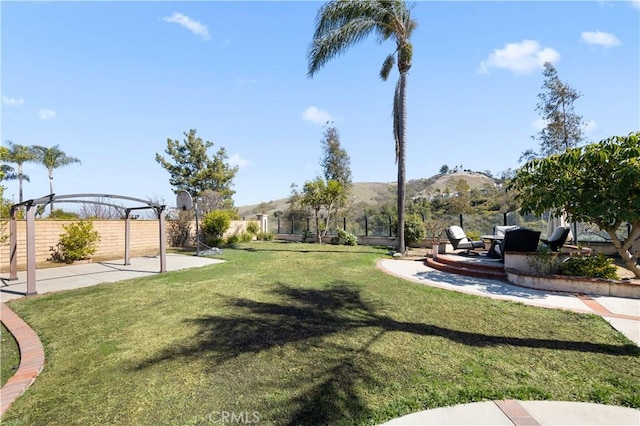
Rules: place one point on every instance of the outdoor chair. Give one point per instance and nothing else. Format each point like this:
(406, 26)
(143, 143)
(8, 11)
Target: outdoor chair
(519, 240)
(557, 239)
(459, 239)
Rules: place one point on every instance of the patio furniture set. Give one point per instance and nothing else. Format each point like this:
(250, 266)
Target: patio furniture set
(506, 238)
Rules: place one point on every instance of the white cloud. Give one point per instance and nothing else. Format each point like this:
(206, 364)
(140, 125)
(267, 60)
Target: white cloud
(520, 58)
(589, 126)
(47, 114)
(600, 38)
(316, 115)
(250, 82)
(237, 160)
(193, 26)
(12, 101)
(539, 124)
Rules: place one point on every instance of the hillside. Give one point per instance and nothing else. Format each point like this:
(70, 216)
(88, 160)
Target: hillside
(376, 194)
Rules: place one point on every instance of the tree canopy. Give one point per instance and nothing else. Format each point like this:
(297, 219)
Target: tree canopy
(563, 127)
(194, 171)
(598, 183)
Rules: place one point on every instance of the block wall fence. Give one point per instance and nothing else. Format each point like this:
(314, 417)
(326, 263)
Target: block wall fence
(145, 239)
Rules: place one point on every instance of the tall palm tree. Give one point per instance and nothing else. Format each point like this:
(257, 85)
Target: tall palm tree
(53, 158)
(19, 154)
(342, 23)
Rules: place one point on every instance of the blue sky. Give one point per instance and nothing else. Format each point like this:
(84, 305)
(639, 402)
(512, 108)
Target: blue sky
(110, 81)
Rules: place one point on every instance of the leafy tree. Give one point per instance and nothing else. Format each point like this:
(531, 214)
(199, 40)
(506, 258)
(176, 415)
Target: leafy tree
(19, 154)
(563, 127)
(320, 195)
(63, 215)
(598, 183)
(444, 169)
(335, 163)
(194, 171)
(340, 25)
(215, 224)
(52, 158)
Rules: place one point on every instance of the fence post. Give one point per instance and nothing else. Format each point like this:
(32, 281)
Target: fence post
(366, 226)
(504, 218)
(278, 224)
(344, 224)
(461, 223)
(390, 234)
(293, 221)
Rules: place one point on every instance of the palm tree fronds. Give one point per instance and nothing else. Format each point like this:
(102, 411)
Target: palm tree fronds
(387, 66)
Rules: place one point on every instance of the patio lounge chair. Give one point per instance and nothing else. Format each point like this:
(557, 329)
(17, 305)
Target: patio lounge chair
(520, 240)
(557, 239)
(459, 239)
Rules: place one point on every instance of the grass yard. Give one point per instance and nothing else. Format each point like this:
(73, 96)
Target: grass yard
(299, 334)
(9, 356)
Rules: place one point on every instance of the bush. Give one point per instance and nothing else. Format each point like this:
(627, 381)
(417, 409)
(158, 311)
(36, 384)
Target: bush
(347, 238)
(245, 237)
(595, 266)
(61, 214)
(414, 229)
(265, 236)
(306, 235)
(179, 229)
(216, 223)
(78, 242)
(253, 228)
(233, 239)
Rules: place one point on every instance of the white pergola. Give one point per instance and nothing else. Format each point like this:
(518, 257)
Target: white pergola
(31, 207)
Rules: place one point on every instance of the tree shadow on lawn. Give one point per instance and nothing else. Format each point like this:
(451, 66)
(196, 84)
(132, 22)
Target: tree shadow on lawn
(303, 317)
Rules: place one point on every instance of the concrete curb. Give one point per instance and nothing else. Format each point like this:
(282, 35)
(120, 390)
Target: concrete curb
(31, 358)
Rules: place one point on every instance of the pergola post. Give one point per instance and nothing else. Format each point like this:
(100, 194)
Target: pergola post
(31, 249)
(13, 245)
(127, 237)
(163, 239)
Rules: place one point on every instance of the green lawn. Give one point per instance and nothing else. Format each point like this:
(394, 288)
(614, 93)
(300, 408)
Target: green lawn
(304, 334)
(9, 356)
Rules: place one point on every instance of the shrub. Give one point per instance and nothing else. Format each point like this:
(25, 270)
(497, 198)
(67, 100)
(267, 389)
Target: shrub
(233, 239)
(179, 229)
(347, 238)
(306, 235)
(265, 236)
(78, 242)
(544, 261)
(414, 229)
(595, 266)
(216, 223)
(245, 237)
(253, 227)
(61, 214)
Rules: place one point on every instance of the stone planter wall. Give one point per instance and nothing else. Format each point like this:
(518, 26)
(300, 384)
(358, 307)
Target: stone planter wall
(520, 272)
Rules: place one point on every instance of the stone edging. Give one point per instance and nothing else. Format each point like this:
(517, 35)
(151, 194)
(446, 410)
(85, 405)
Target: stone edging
(31, 358)
(564, 283)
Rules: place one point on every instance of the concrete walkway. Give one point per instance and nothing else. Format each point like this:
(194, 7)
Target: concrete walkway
(85, 275)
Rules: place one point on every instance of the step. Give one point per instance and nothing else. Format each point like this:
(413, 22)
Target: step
(470, 262)
(457, 268)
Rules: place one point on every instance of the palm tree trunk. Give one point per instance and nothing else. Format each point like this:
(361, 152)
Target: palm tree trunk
(51, 192)
(401, 121)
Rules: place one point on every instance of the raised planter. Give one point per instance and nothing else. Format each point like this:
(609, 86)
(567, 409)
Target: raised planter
(564, 283)
(520, 272)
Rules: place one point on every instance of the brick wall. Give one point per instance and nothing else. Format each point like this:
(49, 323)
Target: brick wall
(145, 235)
